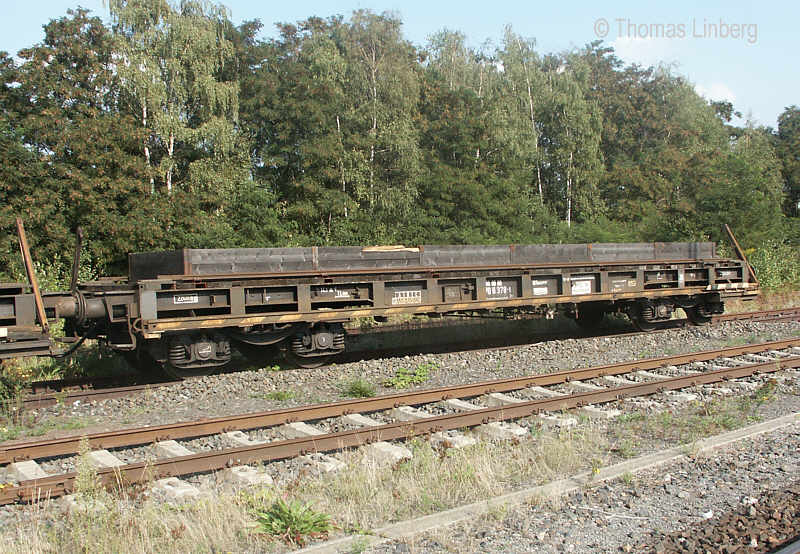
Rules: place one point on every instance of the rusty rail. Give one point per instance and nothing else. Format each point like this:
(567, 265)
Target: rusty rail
(210, 461)
(144, 435)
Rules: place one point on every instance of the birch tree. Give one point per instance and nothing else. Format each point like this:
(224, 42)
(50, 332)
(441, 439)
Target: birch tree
(383, 91)
(571, 130)
(168, 59)
(523, 84)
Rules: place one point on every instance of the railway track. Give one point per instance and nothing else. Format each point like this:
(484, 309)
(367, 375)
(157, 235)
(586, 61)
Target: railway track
(48, 393)
(486, 407)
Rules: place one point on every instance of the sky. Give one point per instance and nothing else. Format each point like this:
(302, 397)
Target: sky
(742, 52)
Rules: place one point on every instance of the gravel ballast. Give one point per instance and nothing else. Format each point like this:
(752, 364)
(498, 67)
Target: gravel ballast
(680, 507)
(249, 391)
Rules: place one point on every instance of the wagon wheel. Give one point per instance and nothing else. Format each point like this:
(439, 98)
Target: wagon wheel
(184, 373)
(645, 326)
(698, 315)
(307, 362)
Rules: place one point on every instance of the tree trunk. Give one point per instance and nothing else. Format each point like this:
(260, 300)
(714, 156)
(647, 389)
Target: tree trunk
(341, 165)
(147, 148)
(169, 170)
(374, 131)
(569, 191)
(532, 116)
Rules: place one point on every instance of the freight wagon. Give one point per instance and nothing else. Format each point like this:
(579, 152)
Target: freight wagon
(184, 310)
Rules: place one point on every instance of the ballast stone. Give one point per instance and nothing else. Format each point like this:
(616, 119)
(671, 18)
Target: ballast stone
(247, 476)
(451, 439)
(385, 453)
(498, 399)
(104, 458)
(360, 420)
(461, 405)
(501, 431)
(299, 430)
(171, 449)
(176, 490)
(26, 470)
(323, 462)
(239, 438)
(408, 413)
(547, 393)
(618, 381)
(81, 504)
(593, 412)
(582, 386)
(551, 421)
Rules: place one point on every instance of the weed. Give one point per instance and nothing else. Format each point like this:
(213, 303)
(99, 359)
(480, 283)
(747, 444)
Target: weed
(765, 392)
(357, 388)
(359, 545)
(632, 417)
(280, 395)
(293, 521)
(627, 448)
(626, 478)
(404, 377)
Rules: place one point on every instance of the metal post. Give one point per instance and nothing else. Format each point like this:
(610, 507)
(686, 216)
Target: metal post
(26, 259)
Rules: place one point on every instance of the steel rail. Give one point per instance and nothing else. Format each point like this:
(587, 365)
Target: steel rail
(58, 485)
(42, 400)
(144, 435)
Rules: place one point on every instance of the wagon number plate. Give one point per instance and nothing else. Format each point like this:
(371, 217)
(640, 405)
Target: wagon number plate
(185, 299)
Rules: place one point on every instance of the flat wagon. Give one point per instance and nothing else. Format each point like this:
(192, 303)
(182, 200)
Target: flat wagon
(186, 309)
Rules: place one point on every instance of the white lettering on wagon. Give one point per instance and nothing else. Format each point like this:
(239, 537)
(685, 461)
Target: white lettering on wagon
(495, 288)
(337, 293)
(582, 287)
(185, 299)
(400, 297)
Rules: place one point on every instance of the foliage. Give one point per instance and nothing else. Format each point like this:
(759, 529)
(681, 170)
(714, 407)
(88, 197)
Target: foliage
(788, 151)
(404, 377)
(280, 395)
(173, 128)
(358, 388)
(293, 521)
(777, 265)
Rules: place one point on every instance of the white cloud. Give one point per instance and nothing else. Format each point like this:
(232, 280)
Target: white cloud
(716, 91)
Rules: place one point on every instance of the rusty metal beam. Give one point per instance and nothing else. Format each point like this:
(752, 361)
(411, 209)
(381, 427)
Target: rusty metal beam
(28, 261)
(210, 461)
(740, 253)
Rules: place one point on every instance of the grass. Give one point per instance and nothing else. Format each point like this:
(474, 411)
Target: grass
(767, 300)
(14, 427)
(277, 395)
(697, 421)
(357, 388)
(293, 522)
(405, 377)
(363, 495)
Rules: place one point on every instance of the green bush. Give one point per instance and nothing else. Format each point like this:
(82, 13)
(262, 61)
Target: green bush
(405, 377)
(357, 388)
(293, 521)
(777, 265)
